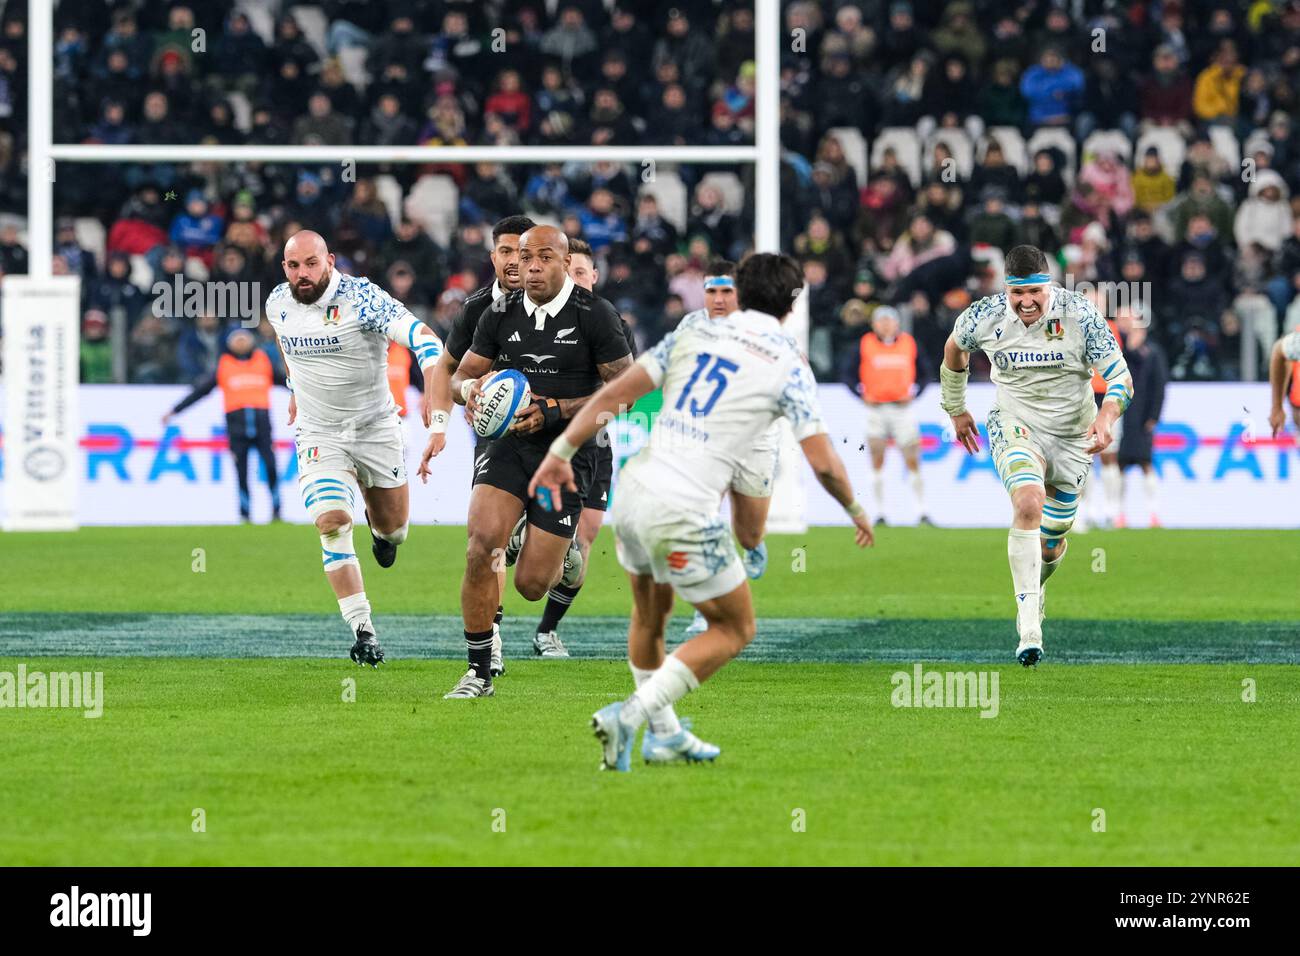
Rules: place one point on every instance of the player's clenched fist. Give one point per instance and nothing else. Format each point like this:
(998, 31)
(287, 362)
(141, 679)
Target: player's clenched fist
(968, 436)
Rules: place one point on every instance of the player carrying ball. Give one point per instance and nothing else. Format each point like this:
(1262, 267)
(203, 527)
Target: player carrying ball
(1044, 426)
(334, 331)
(724, 382)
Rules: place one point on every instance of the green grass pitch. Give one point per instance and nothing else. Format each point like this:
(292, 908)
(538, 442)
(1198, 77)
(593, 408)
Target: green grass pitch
(224, 677)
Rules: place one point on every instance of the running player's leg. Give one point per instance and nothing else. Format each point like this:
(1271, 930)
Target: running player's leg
(1059, 510)
(380, 454)
(498, 663)
(1022, 467)
(751, 500)
(266, 451)
(492, 513)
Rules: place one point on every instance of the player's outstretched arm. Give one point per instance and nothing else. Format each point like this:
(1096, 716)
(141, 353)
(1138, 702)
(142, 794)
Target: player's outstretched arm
(953, 372)
(829, 469)
(616, 395)
(1279, 375)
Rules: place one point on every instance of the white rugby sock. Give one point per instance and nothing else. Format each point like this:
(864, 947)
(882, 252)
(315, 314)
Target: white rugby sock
(355, 610)
(394, 537)
(669, 684)
(663, 722)
(1112, 486)
(1023, 551)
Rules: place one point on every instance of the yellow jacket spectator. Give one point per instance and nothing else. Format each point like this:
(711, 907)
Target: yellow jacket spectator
(1152, 186)
(1218, 86)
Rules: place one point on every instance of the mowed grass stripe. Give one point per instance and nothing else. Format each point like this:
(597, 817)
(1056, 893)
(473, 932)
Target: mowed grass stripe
(827, 640)
(288, 773)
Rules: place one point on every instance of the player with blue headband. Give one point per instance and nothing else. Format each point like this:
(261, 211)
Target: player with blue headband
(1044, 427)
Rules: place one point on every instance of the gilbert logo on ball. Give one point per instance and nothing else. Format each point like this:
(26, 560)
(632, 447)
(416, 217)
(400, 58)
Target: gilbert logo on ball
(499, 401)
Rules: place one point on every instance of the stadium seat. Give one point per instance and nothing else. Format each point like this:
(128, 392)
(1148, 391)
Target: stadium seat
(958, 142)
(1012, 142)
(433, 203)
(241, 111)
(352, 60)
(670, 192)
(260, 18)
(1226, 145)
(91, 236)
(1169, 143)
(314, 25)
(855, 150)
(733, 193)
(1054, 137)
(1109, 141)
(906, 146)
(389, 191)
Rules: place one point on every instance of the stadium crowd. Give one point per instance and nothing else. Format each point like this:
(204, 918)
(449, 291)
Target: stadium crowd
(1136, 142)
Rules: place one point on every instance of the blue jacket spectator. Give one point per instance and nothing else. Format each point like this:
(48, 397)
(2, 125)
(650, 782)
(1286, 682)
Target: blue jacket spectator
(1053, 90)
(196, 230)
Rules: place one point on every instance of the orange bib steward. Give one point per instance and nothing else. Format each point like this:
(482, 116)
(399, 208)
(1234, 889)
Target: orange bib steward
(246, 382)
(887, 371)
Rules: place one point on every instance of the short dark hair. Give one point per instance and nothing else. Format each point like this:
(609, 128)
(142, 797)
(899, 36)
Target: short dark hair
(511, 226)
(1026, 261)
(720, 267)
(580, 247)
(767, 282)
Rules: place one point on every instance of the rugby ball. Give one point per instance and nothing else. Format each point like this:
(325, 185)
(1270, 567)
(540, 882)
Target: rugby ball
(504, 394)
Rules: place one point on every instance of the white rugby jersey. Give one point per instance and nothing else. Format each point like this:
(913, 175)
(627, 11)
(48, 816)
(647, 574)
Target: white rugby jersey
(1043, 371)
(336, 348)
(725, 381)
(1291, 346)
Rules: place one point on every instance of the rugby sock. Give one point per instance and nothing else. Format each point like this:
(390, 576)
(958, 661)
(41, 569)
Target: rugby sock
(1023, 551)
(669, 684)
(496, 621)
(1049, 568)
(355, 610)
(558, 600)
(1112, 486)
(478, 647)
(394, 537)
(664, 722)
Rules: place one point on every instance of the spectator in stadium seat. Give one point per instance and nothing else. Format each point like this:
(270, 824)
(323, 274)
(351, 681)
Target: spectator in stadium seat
(1165, 95)
(1112, 185)
(399, 44)
(158, 127)
(111, 128)
(197, 229)
(322, 126)
(445, 125)
(674, 120)
(902, 103)
(959, 34)
(944, 204)
(291, 46)
(176, 40)
(114, 291)
(547, 192)
(1216, 96)
(388, 125)
(1152, 186)
(489, 195)
(1202, 199)
(921, 243)
(309, 207)
(125, 36)
(114, 80)
(614, 75)
(1202, 159)
(709, 216)
(1109, 99)
(652, 227)
(510, 102)
(559, 105)
(901, 40)
(1037, 231)
(629, 34)
(608, 123)
(1265, 217)
(999, 102)
(1045, 184)
(238, 55)
(96, 349)
(845, 97)
(1282, 288)
(571, 41)
(990, 224)
(690, 48)
(835, 200)
(994, 171)
(343, 96)
(1052, 89)
(413, 245)
(601, 223)
(81, 262)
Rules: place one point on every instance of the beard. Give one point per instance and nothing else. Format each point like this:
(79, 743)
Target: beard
(309, 294)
